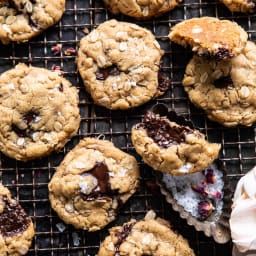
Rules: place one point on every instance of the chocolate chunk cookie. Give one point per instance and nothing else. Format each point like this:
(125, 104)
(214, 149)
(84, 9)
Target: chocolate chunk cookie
(240, 5)
(172, 147)
(16, 227)
(141, 9)
(210, 37)
(38, 112)
(92, 183)
(226, 90)
(119, 64)
(151, 236)
(21, 20)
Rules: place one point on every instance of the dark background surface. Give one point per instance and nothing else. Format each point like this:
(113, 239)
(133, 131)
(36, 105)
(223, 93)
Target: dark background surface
(28, 181)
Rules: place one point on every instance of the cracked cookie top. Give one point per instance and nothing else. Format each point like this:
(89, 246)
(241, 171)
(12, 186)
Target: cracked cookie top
(21, 20)
(119, 64)
(210, 37)
(38, 112)
(94, 180)
(171, 147)
(224, 89)
(141, 9)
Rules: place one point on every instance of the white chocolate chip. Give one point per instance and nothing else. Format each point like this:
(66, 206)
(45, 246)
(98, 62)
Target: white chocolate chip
(37, 119)
(147, 238)
(122, 172)
(80, 165)
(11, 86)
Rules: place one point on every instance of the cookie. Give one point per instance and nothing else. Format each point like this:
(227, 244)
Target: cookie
(16, 227)
(226, 90)
(119, 64)
(240, 5)
(92, 183)
(170, 147)
(150, 236)
(20, 20)
(210, 37)
(141, 9)
(38, 112)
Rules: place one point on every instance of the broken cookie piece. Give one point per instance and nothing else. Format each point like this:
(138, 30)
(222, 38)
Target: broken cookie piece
(210, 37)
(172, 147)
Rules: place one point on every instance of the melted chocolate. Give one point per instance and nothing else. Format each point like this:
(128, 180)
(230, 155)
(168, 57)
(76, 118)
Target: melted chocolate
(28, 119)
(103, 190)
(163, 83)
(103, 73)
(13, 219)
(121, 236)
(161, 132)
(223, 82)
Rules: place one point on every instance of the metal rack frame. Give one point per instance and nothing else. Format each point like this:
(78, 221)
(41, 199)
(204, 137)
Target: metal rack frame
(28, 181)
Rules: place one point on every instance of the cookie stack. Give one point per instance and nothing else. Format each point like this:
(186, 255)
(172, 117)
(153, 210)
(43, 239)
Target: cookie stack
(220, 78)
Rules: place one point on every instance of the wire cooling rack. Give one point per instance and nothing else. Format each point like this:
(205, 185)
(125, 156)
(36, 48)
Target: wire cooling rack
(28, 181)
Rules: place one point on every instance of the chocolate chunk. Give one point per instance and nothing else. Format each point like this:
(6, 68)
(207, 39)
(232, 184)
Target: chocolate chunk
(161, 132)
(103, 189)
(163, 83)
(13, 219)
(30, 117)
(61, 87)
(223, 82)
(121, 236)
(103, 73)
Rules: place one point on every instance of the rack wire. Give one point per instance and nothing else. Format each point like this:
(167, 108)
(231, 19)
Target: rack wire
(28, 181)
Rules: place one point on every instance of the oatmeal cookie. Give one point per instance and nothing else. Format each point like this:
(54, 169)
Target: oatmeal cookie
(150, 236)
(226, 90)
(240, 5)
(38, 112)
(119, 64)
(21, 20)
(16, 227)
(141, 9)
(167, 144)
(92, 183)
(210, 37)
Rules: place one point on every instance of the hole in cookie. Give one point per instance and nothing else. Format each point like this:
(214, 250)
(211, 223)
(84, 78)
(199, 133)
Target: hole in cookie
(161, 132)
(103, 189)
(103, 73)
(223, 82)
(13, 219)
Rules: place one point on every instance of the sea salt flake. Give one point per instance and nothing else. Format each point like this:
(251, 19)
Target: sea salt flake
(76, 239)
(185, 168)
(60, 226)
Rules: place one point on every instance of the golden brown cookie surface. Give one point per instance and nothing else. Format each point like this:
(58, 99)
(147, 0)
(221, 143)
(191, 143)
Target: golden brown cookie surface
(91, 184)
(210, 37)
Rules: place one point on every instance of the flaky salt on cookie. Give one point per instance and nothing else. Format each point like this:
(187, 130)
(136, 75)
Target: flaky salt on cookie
(150, 236)
(210, 37)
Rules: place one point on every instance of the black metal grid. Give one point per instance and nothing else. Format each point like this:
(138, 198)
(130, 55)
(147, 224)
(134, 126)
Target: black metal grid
(28, 181)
